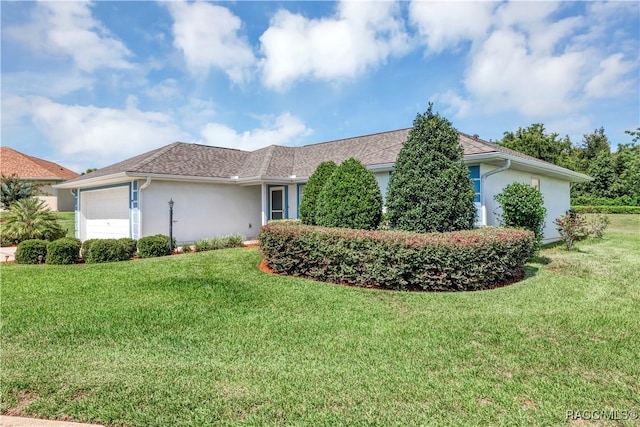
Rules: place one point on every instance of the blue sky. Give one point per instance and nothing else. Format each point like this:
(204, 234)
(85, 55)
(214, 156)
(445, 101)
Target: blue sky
(87, 84)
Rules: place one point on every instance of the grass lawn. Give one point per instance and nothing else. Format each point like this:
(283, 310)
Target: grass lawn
(207, 339)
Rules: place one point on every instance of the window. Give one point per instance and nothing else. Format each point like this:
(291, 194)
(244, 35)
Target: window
(277, 203)
(474, 176)
(535, 183)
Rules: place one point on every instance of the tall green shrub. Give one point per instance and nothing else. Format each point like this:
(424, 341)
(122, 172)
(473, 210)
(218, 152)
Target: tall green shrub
(351, 198)
(522, 206)
(429, 189)
(312, 190)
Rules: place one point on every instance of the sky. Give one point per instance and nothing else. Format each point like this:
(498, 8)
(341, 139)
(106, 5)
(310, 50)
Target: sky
(88, 84)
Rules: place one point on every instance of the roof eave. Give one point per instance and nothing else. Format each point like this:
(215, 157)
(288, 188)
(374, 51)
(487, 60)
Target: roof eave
(547, 168)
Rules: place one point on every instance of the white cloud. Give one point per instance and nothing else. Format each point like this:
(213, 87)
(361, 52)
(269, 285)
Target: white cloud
(51, 84)
(360, 36)
(447, 24)
(524, 59)
(96, 137)
(610, 79)
(166, 89)
(67, 28)
(208, 36)
(505, 75)
(281, 131)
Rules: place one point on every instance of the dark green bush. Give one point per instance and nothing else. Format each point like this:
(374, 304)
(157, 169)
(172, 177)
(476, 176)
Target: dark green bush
(154, 246)
(106, 250)
(522, 206)
(32, 251)
(86, 246)
(604, 201)
(351, 198)
(429, 189)
(308, 204)
(607, 209)
(455, 261)
(131, 245)
(63, 251)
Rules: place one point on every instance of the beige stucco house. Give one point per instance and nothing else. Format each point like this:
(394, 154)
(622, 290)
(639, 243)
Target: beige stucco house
(42, 172)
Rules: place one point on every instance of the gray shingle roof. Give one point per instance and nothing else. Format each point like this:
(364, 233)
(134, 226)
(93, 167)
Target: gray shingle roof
(195, 160)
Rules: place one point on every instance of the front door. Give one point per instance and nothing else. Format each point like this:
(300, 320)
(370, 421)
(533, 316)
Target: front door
(276, 197)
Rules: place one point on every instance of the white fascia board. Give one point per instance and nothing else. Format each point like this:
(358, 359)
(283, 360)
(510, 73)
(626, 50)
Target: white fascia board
(115, 178)
(382, 167)
(167, 177)
(544, 168)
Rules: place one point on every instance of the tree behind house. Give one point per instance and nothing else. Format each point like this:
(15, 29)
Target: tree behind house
(429, 189)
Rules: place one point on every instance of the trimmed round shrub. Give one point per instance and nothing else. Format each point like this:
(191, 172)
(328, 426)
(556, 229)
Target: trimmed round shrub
(351, 198)
(317, 180)
(522, 206)
(63, 251)
(86, 245)
(32, 251)
(131, 245)
(106, 250)
(429, 189)
(154, 246)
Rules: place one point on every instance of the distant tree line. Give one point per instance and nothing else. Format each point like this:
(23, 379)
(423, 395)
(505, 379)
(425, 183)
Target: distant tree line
(616, 174)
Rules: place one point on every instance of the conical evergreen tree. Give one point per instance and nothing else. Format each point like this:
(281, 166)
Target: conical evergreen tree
(429, 189)
(312, 190)
(351, 198)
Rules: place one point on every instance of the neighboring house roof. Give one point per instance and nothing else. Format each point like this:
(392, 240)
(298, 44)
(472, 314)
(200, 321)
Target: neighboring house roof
(378, 150)
(32, 168)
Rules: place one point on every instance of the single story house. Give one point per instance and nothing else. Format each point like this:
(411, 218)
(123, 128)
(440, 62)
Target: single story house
(219, 191)
(41, 172)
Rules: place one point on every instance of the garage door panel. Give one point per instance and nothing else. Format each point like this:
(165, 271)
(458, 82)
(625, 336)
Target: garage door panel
(106, 213)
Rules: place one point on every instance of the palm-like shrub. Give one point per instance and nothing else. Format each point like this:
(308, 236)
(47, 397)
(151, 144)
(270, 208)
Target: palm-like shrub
(351, 198)
(430, 189)
(31, 219)
(312, 190)
(13, 189)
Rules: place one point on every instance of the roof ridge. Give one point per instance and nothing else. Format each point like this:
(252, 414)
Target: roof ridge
(266, 161)
(158, 152)
(353, 137)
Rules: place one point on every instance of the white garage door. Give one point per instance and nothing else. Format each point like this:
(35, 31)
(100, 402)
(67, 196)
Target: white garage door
(106, 213)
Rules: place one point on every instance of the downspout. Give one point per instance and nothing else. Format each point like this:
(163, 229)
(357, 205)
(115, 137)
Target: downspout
(146, 184)
(483, 177)
(140, 199)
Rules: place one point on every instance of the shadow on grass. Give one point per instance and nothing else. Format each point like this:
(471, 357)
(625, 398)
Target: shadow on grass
(530, 271)
(538, 259)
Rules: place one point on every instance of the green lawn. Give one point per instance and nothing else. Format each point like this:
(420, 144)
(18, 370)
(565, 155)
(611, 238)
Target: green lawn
(207, 339)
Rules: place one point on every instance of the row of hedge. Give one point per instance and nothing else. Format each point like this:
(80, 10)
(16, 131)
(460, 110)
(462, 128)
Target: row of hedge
(605, 201)
(607, 209)
(68, 249)
(455, 261)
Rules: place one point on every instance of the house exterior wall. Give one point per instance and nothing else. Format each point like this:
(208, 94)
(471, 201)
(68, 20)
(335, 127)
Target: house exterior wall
(56, 200)
(201, 210)
(383, 183)
(554, 191)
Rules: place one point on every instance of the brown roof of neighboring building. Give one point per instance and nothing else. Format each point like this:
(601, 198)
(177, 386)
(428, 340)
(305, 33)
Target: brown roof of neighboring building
(32, 168)
(195, 160)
